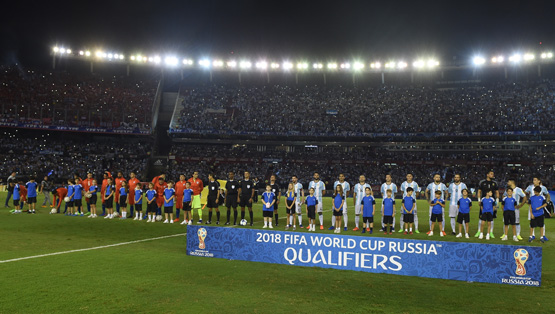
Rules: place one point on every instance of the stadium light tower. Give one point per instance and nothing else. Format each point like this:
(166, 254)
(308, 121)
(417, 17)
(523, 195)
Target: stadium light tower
(516, 58)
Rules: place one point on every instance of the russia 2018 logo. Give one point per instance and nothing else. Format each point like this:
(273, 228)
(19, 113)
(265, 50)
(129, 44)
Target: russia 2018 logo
(521, 256)
(202, 235)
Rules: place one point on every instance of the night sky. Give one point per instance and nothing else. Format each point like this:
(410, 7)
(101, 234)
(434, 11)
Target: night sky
(280, 29)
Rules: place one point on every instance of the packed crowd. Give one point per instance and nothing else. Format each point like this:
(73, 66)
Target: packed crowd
(345, 111)
(64, 99)
(61, 159)
(330, 161)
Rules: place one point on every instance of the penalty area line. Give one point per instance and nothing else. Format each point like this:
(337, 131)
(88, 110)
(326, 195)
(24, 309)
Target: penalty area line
(92, 248)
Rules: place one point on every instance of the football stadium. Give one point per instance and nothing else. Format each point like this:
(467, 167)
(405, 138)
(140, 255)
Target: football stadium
(143, 174)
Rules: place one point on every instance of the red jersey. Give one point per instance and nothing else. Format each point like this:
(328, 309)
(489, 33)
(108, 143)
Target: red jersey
(87, 183)
(118, 186)
(23, 193)
(159, 191)
(179, 188)
(196, 185)
(62, 192)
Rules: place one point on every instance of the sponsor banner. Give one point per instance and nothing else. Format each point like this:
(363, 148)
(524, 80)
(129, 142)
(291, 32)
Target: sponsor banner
(74, 129)
(474, 262)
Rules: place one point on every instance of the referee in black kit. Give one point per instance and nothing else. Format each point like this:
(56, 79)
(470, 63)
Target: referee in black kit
(246, 190)
(231, 197)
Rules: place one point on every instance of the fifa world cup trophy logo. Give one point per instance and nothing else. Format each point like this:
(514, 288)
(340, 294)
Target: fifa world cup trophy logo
(521, 256)
(202, 235)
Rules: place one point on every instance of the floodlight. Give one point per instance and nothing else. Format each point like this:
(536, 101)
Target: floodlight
(245, 65)
(187, 62)
(287, 65)
(498, 59)
(302, 65)
(543, 55)
(375, 65)
(132, 58)
(110, 56)
(68, 51)
(478, 60)
(432, 63)
(529, 57)
(401, 64)
(549, 55)
(345, 65)
(81, 53)
(171, 61)
(317, 65)
(358, 66)
(116, 56)
(62, 50)
(231, 64)
(121, 57)
(56, 49)
(218, 63)
(418, 64)
(104, 55)
(332, 65)
(262, 65)
(204, 63)
(515, 58)
(274, 65)
(87, 53)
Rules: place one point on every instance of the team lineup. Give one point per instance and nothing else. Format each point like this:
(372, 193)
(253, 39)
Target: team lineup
(161, 196)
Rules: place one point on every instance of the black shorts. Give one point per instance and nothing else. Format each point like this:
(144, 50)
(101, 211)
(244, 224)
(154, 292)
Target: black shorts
(367, 220)
(509, 217)
(244, 201)
(292, 210)
(187, 206)
(31, 200)
(267, 213)
(536, 222)
(138, 207)
(487, 216)
(436, 218)
(77, 202)
(335, 212)
(311, 211)
(387, 220)
(123, 200)
(168, 209)
(15, 202)
(69, 204)
(109, 202)
(463, 217)
(152, 207)
(408, 218)
(211, 202)
(93, 199)
(231, 201)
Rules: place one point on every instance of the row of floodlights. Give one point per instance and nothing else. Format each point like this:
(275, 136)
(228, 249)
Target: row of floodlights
(515, 58)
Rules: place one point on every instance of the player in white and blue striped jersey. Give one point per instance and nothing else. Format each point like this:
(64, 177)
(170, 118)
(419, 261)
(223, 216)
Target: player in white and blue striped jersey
(431, 189)
(358, 195)
(455, 191)
(319, 191)
(388, 185)
(416, 191)
(530, 192)
(520, 197)
(300, 200)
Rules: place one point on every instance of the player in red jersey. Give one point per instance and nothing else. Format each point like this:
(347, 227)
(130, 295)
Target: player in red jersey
(103, 190)
(119, 180)
(132, 184)
(87, 183)
(58, 195)
(160, 185)
(196, 186)
(179, 188)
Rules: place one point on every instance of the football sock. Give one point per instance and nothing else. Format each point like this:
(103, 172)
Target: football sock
(103, 210)
(88, 207)
(251, 215)
(117, 207)
(276, 217)
(200, 213)
(235, 216)
(300, 217)
(321, 218)
(345, 219)
(229, 213)
(357, 220)
(242, 215)
(453, 223)
(218, 216)
(491, 227)
(209, 216)
(518, 229)
(291, 220)
(177, 210)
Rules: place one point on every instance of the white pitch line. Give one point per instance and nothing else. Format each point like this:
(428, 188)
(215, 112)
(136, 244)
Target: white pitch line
(92, 248)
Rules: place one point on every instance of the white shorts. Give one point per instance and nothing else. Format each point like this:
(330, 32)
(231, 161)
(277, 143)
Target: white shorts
(319, 207)
(344, 208)
(517, 216)
(453, 211)
(357, 209)
(298, 207)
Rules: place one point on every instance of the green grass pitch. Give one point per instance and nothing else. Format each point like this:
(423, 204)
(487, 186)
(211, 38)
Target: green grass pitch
(158, 276)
